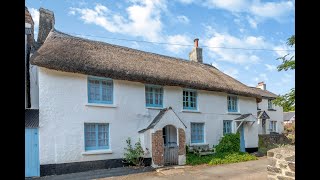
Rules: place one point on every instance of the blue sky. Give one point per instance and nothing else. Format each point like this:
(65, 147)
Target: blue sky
(241, 24)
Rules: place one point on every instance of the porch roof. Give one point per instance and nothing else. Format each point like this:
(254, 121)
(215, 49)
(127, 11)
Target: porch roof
(157, 119)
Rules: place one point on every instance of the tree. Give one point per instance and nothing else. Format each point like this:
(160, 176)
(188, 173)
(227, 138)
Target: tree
(287, 101)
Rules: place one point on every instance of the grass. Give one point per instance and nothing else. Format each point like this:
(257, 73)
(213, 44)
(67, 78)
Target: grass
(219, 158)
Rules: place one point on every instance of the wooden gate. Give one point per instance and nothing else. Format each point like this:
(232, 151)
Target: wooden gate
(171, 155)
(32, 164)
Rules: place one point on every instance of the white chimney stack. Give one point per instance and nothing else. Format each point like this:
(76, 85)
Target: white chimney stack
(262, 85)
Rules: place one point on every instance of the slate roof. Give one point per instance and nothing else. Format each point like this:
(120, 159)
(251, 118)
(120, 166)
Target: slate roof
(31, 118)
(157, 119)
(243, 116)
(288, 115)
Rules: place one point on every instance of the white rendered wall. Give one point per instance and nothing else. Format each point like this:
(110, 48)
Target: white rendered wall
(274, 116)
(64, 110)
(34, 86)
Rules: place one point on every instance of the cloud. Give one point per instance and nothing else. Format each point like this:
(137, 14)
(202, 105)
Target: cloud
(186, 1)
(263, 10)
(178, 39)
(215, 65)
(231, 72)
(237, 56)
(253, 23)
(35, 17)
(183, 19)
(143, 18)
(247, 68)
(271, 67)
(261, 77)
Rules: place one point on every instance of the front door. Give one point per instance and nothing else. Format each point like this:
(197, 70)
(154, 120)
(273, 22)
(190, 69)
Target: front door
(242, 142)
(171, 147)
(32, 164)
(263, 124)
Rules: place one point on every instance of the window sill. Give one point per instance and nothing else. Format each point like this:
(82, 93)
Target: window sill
(158, 108)
(196, 144)
(234, 113)
(101, 105)
(93, 152)
(190, 111)
(272, 110)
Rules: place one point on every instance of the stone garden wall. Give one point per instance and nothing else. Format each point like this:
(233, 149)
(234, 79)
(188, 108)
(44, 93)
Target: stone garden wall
(281, 163)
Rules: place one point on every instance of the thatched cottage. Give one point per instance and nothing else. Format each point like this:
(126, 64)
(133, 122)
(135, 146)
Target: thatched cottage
(95, 95)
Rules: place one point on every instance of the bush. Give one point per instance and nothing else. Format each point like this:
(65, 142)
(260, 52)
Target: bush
(134, 155)
(226, 158)
(229, 143)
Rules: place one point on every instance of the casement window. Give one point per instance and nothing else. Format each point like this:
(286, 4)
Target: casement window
(270, 105)
(100, 90)
(227, 127)
(96, 136)
(197, 132)
(232, 104)
(190, 99)
(154, 96)
(273, 126)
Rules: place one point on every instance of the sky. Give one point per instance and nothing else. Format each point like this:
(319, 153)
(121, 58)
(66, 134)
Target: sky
(239, 37)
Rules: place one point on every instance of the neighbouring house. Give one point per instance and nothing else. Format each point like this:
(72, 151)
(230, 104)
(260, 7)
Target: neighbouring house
(32, 164)
(94, 95)
(270, 116)
(289, 117)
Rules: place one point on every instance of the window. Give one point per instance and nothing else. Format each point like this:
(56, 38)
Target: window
(154, 96)
(96, 136)
(232, 104)
(100, 90)
(189, 99)
(273, 126)
(227, 127)
(197, 132)
(270, 105)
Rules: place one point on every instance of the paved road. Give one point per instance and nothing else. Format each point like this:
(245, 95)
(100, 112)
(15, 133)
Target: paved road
(238, 171)
(244, 170)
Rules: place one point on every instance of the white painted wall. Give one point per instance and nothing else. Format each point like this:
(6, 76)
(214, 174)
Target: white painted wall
(64, 110)
(274, 116)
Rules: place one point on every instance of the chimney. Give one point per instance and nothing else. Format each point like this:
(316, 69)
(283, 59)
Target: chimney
(46, 23)
(29, 25)
(262, 85)
(196, 53)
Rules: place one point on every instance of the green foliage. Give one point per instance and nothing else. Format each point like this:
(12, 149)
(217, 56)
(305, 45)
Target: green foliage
(134, 155)
(287, 101)
(226, 158)
(288, 63)
(229, 143)
(194, 159)
(219, 158)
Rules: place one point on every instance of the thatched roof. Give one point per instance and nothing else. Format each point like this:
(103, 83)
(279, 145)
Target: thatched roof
(265, 93)
(63, 52)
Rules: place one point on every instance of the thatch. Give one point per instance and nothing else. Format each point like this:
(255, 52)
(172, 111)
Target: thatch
(265, 93)
(63, 52)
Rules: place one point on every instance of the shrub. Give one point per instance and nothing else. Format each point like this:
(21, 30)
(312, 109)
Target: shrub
(229, 143)
(226, 158)
(134, 155)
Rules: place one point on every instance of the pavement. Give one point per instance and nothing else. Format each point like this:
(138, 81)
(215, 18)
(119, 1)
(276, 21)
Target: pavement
(250, 170)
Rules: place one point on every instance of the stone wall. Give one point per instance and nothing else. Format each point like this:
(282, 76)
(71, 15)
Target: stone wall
(281, 163)
(157, 148)
(182, 142)
(265, 140)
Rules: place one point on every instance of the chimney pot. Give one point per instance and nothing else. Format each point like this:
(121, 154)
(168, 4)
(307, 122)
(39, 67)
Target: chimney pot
(196, 42)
